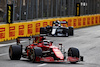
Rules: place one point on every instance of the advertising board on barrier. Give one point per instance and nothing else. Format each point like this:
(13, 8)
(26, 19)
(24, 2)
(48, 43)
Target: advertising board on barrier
(88, 21)
(37, 27)
(50, 23)
(92, 20)
(70, 22)
(9, 13)
(99, 19)
(11, 31)
(96, 19)
(21, 30)
(45, 24)
(80, 22)
(84, 22)
(2, 32)
(30, 28)
(75, 22)
(77, 9)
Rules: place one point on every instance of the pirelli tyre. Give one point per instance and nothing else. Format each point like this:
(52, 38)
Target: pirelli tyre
(73, 52)
(48, 30)
(15, 52)
(43, 30)
(35, 52)
(65, 31)
(71, 31)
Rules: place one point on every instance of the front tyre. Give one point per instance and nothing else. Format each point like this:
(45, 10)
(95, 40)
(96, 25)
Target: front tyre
(15, 52)
(32, 55)
(35, 52)
(73, 52)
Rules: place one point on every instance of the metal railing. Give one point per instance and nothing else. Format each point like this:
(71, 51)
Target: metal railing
(39, 9)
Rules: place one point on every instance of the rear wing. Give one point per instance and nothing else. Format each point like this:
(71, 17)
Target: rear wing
(63, 23)
(36, 39)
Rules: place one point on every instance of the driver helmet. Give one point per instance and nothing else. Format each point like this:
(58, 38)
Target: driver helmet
(57, 22)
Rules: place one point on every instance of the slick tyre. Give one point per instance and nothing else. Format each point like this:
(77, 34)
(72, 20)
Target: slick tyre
(38, 51)
(71, 31)
(15, 52)
(73, 52)
(35, 52)
(43, 30)
(65, 31)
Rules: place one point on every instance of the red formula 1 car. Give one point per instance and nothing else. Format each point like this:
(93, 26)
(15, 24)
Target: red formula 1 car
(44, 50)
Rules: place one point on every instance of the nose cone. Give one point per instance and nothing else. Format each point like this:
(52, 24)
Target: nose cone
(58, 54)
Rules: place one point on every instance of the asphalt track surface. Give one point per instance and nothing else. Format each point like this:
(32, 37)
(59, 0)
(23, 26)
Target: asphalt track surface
(87, 40)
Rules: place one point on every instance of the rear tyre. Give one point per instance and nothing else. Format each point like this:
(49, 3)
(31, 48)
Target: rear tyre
(66, 34)
(73, 52)
(43, 30)
(71, 31)
(65, 31)
(15, 52)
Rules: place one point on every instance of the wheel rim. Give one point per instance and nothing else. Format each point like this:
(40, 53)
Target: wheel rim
(66, 34)
(10, 52)
(32, 56)
(70, 52)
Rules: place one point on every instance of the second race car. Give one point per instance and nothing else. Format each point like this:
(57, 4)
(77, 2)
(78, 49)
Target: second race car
(57, 29)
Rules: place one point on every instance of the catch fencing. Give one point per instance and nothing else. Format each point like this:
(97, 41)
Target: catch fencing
(25, 10)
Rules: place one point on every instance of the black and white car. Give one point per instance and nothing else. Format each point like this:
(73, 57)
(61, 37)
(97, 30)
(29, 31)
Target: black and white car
(57, 30)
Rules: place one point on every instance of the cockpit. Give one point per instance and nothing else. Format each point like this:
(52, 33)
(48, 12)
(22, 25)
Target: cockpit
(56, 23)
(47, 42)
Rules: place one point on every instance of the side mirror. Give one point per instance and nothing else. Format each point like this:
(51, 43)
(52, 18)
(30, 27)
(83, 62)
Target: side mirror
(43, 38)
(29, 38)
(81, 58)
(51, 41)
(60, 44)
(18, 40)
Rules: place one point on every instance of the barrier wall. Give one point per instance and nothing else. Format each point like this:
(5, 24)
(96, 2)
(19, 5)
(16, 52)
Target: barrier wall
(12, 31)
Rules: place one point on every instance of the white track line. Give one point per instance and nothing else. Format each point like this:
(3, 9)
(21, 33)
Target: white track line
(3, 54)
(2, 45)
(42, 65)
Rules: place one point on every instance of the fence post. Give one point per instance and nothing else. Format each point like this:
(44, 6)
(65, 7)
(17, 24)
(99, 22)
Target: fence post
(36, 9)
(61, 8)
(51, 8)
(56, 7)
(13, 10)
(32, 5)
(47, 8)
(42, 8)
(64, 6)
(6, 9)
(72, 7)
(88, 4)
(27, 10)
(68, 7)
(20, 10)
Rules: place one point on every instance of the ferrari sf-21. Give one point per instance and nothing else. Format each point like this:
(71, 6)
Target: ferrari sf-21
(42, 50)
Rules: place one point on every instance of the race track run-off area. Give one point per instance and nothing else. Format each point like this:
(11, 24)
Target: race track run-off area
(87, 40)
